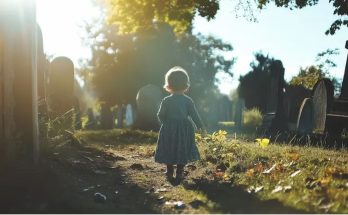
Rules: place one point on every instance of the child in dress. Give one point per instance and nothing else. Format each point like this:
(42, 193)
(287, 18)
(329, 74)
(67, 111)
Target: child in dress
(176, 141)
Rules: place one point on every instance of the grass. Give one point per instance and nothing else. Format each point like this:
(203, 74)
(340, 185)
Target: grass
(234, 175)
(305, 178)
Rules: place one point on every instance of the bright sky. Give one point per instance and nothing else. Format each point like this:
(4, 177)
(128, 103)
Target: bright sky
(295, 37)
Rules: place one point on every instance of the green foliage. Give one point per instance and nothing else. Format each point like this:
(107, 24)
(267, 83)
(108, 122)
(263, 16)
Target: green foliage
(122, 64)
(307, 77)
(138, 15)
(252, 119)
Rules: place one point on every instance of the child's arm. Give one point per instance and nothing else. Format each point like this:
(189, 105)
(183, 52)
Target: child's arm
(161, 112)
(194, 115)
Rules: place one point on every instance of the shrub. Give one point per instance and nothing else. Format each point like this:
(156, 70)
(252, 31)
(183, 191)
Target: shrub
(252, 119)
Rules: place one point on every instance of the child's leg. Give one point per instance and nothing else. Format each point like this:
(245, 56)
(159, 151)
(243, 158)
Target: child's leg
(170, 170)
(180, 171)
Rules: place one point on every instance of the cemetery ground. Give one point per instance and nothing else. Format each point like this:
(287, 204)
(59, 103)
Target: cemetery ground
(235, 175)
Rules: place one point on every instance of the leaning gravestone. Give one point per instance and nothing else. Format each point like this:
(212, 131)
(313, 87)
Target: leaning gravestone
(18, 81)
(148, 100)
(61, 94)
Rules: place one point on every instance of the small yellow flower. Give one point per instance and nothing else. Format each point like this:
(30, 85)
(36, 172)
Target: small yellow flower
(263, 142)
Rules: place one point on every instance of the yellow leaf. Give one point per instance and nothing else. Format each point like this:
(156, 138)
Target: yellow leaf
(264, 142)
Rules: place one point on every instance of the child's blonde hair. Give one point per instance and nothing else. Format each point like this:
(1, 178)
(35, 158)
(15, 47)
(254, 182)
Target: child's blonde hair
(176, 79)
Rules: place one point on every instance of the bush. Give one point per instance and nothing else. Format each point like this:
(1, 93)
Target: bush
(252, 119)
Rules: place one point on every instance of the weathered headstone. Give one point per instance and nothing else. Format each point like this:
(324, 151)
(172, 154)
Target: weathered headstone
(305, 118)
(322, 100)
(61, 94)
(148, 100)
(129, 115)
(18, 81)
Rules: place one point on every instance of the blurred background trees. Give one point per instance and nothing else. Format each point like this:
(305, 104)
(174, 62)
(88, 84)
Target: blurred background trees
(123, 62)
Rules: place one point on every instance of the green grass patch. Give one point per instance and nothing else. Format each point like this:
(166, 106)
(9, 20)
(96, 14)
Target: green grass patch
(305, 178)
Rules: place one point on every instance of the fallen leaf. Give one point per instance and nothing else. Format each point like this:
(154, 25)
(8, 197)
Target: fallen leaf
(287, 188)
(269, 170)
(257, 189)
(295, 173)
(289, 164)
(161, 190)
(277, 189)
(253, 189)
(293, 156)
(325, 181)
(250, 172)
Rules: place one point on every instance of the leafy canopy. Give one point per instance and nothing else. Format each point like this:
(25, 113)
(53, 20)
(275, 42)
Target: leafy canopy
(137, 15)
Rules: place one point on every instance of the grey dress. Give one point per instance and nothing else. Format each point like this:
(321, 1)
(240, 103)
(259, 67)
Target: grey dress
(176, 141)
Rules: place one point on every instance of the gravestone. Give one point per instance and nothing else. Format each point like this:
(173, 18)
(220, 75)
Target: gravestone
(224, 108)
(148, 101)
(305, 118)
(19, 135)
(322, 100)
(119, 114)
(129, 115)
(274, 119)
(91, 121)
(238, 115)
(344, 89)
(61, 94)
(293, 99)
(106, 119)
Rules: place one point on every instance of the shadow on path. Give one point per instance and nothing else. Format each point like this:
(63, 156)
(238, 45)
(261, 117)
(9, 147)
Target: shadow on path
(236, 200)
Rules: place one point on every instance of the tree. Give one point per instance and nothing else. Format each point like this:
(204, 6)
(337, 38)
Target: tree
(123, 63)
(253, 86)
(307, 77)
(134, 15)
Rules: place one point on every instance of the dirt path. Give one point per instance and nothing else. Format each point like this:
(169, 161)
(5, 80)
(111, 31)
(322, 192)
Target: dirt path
(71, 175)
